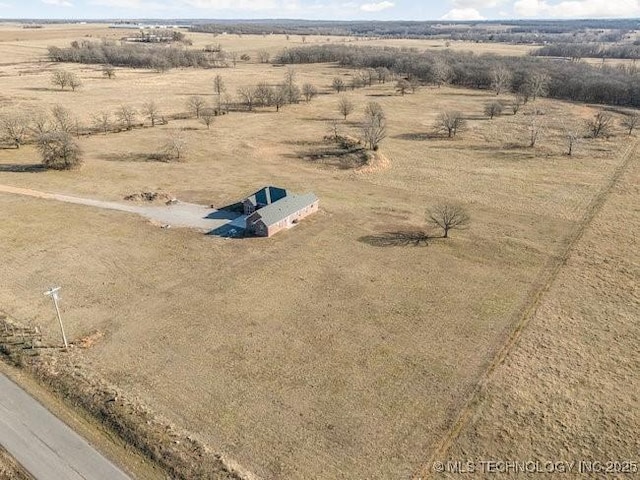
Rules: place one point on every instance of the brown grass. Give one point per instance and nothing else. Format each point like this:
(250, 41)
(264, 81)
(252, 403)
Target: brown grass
(315, 354)
(567, 390)
(9, 469)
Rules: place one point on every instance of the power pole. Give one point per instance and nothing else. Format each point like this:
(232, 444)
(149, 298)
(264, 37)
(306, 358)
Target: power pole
(53, 292)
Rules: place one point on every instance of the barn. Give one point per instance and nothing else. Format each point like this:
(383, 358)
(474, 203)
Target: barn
(272, 209)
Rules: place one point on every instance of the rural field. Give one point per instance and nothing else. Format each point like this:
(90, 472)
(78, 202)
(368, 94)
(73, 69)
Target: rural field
(341, 348)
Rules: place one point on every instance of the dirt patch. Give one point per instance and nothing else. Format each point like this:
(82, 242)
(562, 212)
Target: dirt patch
(376, 162)
(342, 152)
(151, 197)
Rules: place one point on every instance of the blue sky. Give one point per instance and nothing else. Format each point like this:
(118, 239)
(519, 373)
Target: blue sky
(321, 9)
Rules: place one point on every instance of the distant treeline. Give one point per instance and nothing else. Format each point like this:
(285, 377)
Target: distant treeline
(135, 55)
(526, 31)
(562, 80)
(578, 50)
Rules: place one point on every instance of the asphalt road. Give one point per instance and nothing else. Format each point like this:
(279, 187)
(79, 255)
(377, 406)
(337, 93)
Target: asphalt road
(47, 448)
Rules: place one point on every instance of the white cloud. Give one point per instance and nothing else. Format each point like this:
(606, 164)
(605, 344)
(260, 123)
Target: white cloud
(131, 4)
(58, 3)
(376, 7)
(247, 5)
(463, 14)
(477, 3)
(577, 8)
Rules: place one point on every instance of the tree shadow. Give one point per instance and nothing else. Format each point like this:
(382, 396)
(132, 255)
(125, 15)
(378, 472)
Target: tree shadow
(401, 238)
(332, 156)
(380, 95)
(421, 136)
(46, 89)
(320, 119)
(137, 157)
(22, 167)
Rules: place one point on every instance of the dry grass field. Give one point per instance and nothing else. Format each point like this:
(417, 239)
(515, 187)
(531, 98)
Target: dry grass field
(569, 389)
(317, 353)
(9, 469)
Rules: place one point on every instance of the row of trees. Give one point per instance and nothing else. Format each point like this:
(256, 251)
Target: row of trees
(577, 51)
(528, 76)
(266, 95)
(160, 58)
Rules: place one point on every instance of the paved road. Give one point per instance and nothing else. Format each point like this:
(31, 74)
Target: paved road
(179, 214)
(43, 445)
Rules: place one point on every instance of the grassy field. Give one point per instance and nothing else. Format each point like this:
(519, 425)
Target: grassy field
(318, 353)
(9, 469)
(567, 392)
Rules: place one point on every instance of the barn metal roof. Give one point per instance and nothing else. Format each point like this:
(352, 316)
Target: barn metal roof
(267, 196)
(281, 209)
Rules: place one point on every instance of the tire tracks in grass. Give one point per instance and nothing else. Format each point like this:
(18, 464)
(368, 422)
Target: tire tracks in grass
(527, 310)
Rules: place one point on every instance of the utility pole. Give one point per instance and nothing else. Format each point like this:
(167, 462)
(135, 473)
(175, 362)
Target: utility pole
(53, 292)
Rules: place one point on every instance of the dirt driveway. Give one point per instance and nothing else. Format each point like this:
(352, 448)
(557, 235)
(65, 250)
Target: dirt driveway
(178, 214)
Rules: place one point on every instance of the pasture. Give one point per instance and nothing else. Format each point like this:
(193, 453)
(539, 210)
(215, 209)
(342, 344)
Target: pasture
(336, 349)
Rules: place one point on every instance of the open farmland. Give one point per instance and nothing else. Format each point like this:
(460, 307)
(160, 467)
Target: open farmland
(318, 353)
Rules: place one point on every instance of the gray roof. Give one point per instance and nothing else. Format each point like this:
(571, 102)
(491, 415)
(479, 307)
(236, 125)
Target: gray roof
(284, 207)
(266, 196)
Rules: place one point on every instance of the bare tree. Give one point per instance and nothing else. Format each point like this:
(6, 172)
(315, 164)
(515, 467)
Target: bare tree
(403, 86)
(247, 96)
(40, 122)
(356, 82)
(227, 101)
(333, 127)
(175, 145)
(500, 79)
(126, 115)
(151, 110)
(218, 85)
(600, 125)
(309, 91)
(535, 85)
(14, 129)
(451, 122)
(207, 116)
(292, 90)
(448, 216)
(234, 58)
(493, 109)
(374, 128)
(534, 130)
(414, 82)
(102, 121)
(571, 135)
(280, 96)
(60, 78)
(345, 106)
(517, 103)
(441, 71)
(263, 56)
(109, 71)
(195, 104)
(263, 94)
(63, 120)
(338, 84)
(630, 122)
(383, 74)
(74, 81)
(59, 151)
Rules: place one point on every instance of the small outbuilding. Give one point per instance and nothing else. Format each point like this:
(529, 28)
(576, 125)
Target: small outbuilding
(272, 209)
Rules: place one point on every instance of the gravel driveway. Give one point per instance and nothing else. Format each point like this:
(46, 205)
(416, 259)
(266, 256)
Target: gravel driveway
(178, 214)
